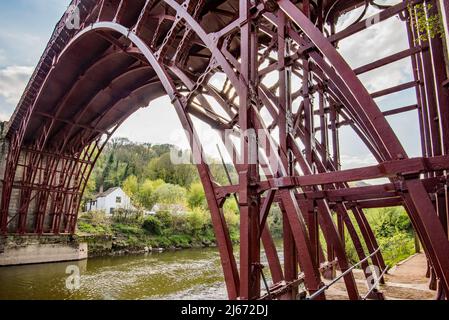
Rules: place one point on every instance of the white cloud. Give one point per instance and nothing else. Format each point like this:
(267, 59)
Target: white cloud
(4, 117)
(13, 80)
(376, 42)
(352, 162)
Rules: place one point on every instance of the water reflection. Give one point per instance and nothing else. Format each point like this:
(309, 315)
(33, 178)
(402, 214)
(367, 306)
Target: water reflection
(190, 274)
(182, 275)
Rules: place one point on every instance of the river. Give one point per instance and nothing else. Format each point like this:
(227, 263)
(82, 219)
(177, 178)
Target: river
(188, 274)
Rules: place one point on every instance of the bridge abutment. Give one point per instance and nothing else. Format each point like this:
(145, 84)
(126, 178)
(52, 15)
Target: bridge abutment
(20, 250)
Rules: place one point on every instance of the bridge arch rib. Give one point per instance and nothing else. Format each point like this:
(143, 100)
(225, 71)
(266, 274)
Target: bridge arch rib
(68, 161)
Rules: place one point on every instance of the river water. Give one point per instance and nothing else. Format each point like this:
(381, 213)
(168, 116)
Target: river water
(188, 274)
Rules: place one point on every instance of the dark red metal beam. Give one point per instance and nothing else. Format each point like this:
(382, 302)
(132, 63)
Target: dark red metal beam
(303, 176)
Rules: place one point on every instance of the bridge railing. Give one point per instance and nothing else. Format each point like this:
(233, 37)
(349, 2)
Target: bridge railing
(345, 273)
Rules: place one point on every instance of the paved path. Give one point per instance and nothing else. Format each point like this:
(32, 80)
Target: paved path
(406, 281)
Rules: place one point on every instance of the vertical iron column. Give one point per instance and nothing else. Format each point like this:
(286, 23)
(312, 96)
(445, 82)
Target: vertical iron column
(290, 257)
(249, 200)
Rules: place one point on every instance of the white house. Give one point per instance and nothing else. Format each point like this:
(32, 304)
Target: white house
(110, 200)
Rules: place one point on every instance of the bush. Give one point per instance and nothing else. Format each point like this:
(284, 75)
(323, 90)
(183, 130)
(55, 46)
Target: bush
(153, 225)
(165, 218)
(197, 219)
(196, 197)
(95, 217)
(180, 224)
(86, 227)
(127, 216)
(163, 242)
(397, 248)
(390, 221)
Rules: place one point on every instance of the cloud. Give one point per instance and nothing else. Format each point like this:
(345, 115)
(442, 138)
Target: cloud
(4, 117)
(352, 162)
(13, 80)
(376, 42)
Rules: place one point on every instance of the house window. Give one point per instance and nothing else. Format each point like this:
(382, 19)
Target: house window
(111, 211)
(118, 200)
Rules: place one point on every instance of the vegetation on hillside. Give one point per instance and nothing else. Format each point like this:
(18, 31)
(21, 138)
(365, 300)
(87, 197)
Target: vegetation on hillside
(148, 176)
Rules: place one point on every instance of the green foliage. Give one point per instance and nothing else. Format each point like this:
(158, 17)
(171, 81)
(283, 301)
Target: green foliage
(181, 241)
(428, 25)
(393, 231)
(128, 229)
(275, 221)
(180, 224)
(196, 196)
(170, 194)
(153, 225)
(147, 196)
(397, 247)
(87, 227)
(198, 219)
(165, 218)
(131, 187)
(94, 223)
(164, 169)
(388, 222)
(95, 217)
(127, 216)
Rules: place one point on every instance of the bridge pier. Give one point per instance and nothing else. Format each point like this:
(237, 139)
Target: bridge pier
(22, 250)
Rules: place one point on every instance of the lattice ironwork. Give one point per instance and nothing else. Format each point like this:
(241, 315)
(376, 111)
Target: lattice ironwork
(127, 53)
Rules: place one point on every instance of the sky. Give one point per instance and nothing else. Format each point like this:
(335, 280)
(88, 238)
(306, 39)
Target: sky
(26, 26)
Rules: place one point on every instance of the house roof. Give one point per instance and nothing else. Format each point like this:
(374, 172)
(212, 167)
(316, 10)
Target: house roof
(106, 193)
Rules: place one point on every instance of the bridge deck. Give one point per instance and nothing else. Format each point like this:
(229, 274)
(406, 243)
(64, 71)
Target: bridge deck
(405, 281)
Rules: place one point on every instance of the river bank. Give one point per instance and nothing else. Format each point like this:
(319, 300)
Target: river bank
(111, 237)
(111, 245)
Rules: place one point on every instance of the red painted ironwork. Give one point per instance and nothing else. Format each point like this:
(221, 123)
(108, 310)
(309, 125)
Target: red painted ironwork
(127, 53)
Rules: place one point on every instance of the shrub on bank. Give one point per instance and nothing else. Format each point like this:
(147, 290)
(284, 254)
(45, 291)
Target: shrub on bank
(153, 225)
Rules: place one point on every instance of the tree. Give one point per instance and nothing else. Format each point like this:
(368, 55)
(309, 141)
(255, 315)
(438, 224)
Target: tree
(171, 194)
(105, 181)
(196, 198)
(131, 187)
(163, 168)
(147, 196)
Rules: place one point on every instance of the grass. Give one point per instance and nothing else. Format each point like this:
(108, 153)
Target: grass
(132, 235)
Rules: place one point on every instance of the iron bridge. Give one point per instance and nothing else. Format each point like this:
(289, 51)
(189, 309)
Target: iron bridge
(127, 53)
